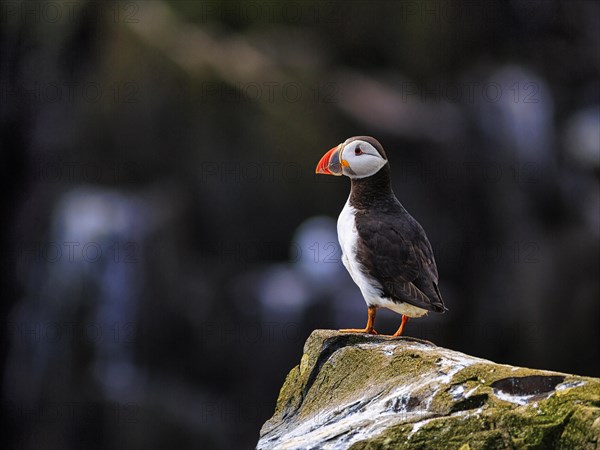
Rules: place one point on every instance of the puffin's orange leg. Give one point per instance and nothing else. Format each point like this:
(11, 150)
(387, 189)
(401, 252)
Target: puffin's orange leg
(370, 324)
(401, 329)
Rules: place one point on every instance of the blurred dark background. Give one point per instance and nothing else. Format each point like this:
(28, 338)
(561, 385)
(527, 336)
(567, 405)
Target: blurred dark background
(167, 248)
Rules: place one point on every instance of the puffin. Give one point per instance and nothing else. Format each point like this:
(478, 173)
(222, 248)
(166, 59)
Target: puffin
(384, 249)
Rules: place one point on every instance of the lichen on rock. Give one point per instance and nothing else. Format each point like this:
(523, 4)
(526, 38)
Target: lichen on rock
(372, 392)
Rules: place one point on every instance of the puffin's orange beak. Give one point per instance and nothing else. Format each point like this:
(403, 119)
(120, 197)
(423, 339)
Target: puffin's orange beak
(330, 163)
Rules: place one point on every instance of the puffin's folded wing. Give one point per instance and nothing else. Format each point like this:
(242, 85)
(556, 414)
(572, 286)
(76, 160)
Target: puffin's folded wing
(398, 255)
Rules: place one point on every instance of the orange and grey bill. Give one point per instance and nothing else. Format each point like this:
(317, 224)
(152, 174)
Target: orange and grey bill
(331, 163)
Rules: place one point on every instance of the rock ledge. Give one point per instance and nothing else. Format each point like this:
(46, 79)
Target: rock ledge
(371, 392)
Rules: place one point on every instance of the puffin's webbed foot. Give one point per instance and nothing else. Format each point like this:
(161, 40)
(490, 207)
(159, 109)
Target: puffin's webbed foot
(369, 329)
(358, 330)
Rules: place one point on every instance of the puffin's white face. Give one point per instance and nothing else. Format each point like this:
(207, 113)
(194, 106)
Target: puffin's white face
(355, 158)
(359, 159)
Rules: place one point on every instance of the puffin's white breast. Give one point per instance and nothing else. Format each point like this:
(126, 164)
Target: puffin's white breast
(369, 287)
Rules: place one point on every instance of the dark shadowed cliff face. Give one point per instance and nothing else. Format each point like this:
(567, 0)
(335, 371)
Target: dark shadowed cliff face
(356, 391)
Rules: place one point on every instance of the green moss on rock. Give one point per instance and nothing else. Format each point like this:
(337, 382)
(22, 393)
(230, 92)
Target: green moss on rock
(371, 392)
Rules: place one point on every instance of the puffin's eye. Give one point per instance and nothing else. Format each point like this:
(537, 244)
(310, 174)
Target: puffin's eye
(358, 151)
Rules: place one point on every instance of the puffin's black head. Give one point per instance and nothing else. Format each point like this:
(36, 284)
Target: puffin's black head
(357, 157)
